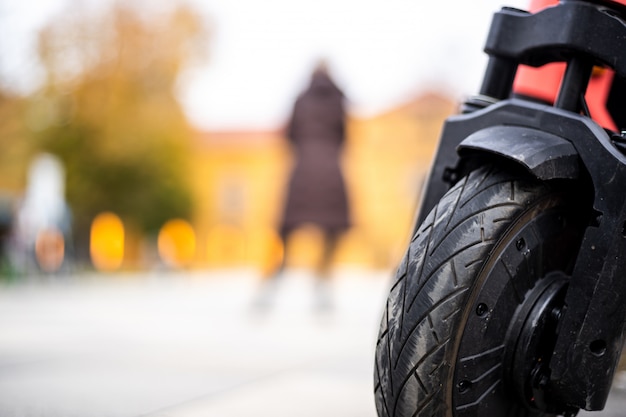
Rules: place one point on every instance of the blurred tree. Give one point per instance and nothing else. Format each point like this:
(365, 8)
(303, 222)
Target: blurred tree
(16, 151)
(107, 109)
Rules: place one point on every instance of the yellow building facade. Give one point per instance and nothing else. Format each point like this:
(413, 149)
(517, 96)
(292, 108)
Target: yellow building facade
(239, 179)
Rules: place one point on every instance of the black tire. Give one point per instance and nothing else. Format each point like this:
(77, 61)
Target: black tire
(447, 336)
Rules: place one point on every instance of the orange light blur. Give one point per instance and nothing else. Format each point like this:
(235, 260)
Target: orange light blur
(177, 243)
(107, 242)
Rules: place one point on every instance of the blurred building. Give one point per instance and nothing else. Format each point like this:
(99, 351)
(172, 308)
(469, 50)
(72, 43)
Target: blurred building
(240, 176)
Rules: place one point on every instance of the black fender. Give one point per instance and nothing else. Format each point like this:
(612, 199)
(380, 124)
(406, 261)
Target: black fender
(544, 154)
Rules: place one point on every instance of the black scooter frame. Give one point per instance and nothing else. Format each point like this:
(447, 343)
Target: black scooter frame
(557, 142)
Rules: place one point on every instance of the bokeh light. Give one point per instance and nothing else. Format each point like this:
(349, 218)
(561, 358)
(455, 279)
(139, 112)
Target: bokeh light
(107, 242)
(177, 243)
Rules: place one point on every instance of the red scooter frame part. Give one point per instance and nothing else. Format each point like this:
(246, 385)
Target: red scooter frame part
(543, 83)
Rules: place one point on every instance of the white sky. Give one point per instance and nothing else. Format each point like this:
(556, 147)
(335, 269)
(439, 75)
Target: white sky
(382, 52)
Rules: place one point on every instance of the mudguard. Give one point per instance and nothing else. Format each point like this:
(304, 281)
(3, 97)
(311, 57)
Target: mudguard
(545, 155)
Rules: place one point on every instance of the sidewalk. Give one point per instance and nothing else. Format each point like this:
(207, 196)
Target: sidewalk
(188, 345)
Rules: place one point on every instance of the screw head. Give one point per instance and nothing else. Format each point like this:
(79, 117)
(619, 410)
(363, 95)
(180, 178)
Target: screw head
(481, 309)
(464, 386)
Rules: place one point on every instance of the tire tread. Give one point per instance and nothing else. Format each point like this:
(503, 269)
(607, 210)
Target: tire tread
(442, 258)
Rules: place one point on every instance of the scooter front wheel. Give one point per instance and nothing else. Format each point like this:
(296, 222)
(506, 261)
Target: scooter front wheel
(471, 317)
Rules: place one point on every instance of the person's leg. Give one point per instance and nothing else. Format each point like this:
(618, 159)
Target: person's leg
(323, 273)
(265, 294)
(324, 266)
(279, 268)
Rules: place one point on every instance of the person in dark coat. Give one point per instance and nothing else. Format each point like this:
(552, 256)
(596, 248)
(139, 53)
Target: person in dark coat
(316, 194)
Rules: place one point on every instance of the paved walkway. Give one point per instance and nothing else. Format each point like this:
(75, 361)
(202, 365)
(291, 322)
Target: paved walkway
(186, 345)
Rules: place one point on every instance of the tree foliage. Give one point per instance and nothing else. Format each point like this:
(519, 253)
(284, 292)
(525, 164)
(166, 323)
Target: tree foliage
(16, 149)
(108, 110)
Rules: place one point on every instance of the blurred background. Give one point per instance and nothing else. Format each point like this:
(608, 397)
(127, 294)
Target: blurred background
(150, 134)
(142, 176)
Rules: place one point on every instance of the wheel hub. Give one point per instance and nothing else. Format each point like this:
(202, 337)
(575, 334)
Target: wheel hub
(531, 340)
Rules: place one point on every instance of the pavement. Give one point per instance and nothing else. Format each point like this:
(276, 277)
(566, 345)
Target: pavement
(193, 344)
(188, 344)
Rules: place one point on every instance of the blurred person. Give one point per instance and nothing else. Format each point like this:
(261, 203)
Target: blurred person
(316, 194)
(43, 223)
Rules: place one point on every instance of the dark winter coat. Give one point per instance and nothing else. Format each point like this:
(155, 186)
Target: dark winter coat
(317, 193)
